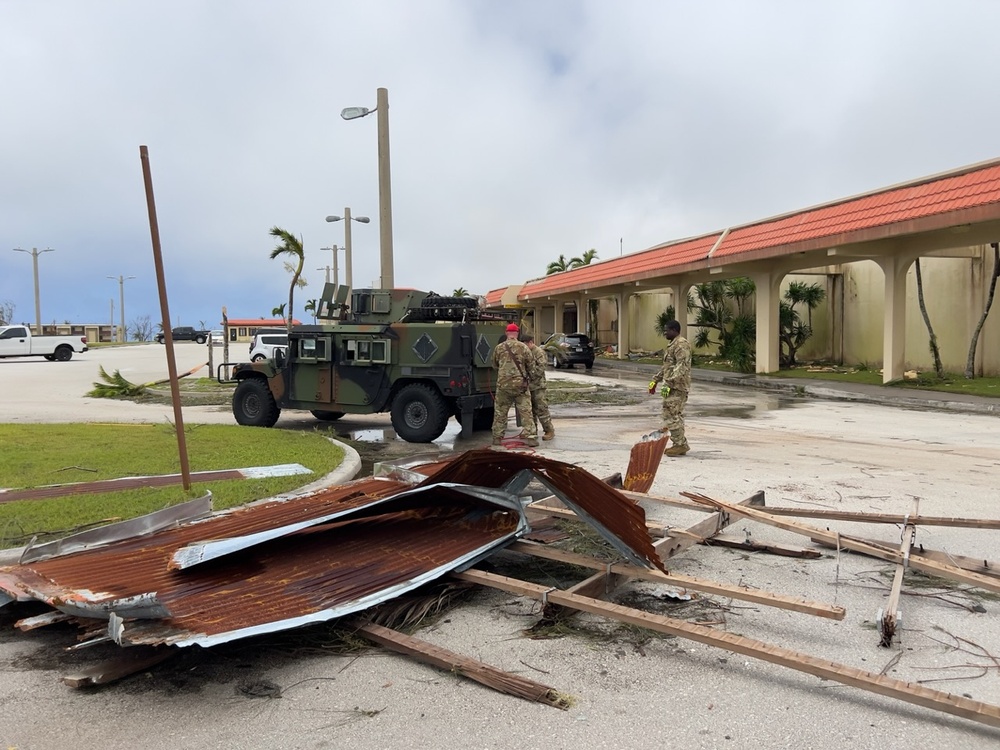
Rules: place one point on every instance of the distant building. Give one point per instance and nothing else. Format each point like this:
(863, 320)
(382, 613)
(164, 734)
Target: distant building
(243, 329)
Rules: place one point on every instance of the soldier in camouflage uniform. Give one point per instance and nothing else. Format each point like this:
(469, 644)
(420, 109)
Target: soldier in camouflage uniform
(515, 366)
(676, 378)
(536, 385)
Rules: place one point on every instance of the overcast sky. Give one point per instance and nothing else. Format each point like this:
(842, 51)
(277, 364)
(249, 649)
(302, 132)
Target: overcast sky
(520, 130)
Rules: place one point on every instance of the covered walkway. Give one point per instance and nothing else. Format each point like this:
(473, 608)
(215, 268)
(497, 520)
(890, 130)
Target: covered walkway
(942, 215)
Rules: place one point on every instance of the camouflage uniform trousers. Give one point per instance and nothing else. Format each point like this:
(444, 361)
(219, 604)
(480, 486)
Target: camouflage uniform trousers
(673, 416)
(521, 400)
(540, 408)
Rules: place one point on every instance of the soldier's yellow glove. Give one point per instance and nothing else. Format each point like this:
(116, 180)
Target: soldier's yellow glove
(652, 387)
(665, 391)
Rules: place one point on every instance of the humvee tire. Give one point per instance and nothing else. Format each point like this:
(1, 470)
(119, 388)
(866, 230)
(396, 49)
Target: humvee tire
(419, 413)
(327, 416)
(253, 404)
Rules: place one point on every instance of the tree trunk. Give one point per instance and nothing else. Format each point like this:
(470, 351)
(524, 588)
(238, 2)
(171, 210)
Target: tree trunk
(970, 362)
(935, 351)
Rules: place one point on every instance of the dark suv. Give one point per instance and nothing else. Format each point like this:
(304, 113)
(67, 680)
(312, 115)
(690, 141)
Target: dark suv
(576, 348)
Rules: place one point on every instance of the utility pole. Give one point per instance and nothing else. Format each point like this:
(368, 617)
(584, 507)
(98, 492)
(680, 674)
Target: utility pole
(35, 252)
(121, 303)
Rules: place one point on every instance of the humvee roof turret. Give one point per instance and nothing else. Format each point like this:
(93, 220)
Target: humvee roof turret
(417, 355)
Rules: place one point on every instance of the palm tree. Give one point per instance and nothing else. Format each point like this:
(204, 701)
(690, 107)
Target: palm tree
(558, 266)
(310, 307)
(460, 292)
(584, 260)
(279, 311)
(290, 245)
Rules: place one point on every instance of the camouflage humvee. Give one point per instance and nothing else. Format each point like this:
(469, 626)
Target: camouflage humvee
(421, 357)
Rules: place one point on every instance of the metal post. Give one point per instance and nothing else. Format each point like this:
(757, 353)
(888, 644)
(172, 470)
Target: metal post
(348, 276)
(121, 306)
(384, 191)
(112, 336)
(35, 252)
(336, 273)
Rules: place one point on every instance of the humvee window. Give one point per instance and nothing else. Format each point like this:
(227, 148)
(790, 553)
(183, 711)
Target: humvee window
(310, 348)
(367, 351)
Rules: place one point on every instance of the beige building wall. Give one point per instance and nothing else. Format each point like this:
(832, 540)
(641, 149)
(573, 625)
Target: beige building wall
(848, 325)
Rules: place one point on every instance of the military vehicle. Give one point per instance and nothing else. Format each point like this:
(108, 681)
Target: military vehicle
(419, 356)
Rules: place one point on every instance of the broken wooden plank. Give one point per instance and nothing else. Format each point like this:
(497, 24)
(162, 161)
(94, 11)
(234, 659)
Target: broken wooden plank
(893, 518)
(984, 713)
(769, 548)
(889, 618)
(129, 662)
(485, 674)
(40, 621)
(676, 541)
(792, 603)
(972, 564)
(847, 542)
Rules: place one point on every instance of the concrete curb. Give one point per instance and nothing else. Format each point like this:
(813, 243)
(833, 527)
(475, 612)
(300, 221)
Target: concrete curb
(872, 394)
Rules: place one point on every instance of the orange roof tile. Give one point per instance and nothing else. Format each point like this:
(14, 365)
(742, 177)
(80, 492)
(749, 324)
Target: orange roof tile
(636, 267)
(892, 206)
(974, 189)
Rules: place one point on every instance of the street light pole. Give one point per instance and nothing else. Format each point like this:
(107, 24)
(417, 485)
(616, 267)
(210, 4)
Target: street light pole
(384, 190)
(348, 251)
(387, 280)
(121, 303)
(35, 252)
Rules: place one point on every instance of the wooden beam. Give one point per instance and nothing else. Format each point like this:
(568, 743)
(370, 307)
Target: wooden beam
(792, 603)
(937, 700)
(768, 548)
(846, 542)
(442, 658)
(130, 661)
(674, 542)
(834, 515)
(973, 564)
(889, 618)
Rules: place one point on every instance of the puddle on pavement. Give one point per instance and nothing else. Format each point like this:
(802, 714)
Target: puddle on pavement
(745, 410)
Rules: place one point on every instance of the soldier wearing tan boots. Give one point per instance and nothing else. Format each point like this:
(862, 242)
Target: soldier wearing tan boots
(536, 386)
(676, 378)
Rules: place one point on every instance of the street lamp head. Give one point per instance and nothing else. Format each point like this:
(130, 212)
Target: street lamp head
(362, 219)
(353, 113)
(333, 218)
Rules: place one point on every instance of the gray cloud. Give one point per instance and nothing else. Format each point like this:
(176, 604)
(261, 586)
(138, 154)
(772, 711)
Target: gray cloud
(519, 131)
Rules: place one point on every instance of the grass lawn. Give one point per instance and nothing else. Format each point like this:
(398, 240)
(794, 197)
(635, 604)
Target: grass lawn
(952, 382)
(39, 455)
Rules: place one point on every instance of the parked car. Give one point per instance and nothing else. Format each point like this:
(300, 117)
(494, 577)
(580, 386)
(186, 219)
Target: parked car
(265, 342)
(17, 341)
(217, 337)
(184, 333)
(577, 349)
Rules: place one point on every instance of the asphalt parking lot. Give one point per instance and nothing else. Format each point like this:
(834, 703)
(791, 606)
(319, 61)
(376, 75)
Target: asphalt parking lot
(663, 692)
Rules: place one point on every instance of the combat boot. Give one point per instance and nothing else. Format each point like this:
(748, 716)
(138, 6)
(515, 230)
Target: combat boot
(497, 441)
(550, 432)
(531, 442)
(677, 450)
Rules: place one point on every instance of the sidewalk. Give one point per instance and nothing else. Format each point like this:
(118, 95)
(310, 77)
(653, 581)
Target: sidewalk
(908, 398)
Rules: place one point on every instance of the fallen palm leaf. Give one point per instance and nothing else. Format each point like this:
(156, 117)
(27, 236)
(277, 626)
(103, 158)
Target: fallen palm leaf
(117, 386)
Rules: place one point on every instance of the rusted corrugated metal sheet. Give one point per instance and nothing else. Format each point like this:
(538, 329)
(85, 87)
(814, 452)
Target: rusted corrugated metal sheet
(314, 574)
(618, 519)
(644, 460)
(287, 563)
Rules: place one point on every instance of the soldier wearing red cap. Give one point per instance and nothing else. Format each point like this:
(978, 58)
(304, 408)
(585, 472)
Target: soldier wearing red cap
(515, 368)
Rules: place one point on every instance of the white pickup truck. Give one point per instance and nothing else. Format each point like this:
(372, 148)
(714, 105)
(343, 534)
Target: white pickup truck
(17, 341)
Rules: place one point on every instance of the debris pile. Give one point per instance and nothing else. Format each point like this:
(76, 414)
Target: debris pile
(182, 578)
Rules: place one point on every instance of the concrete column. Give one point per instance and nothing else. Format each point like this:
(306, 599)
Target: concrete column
(767, 303)
(581, 314)
(624, 298)
(894, 268)
(557, 317)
